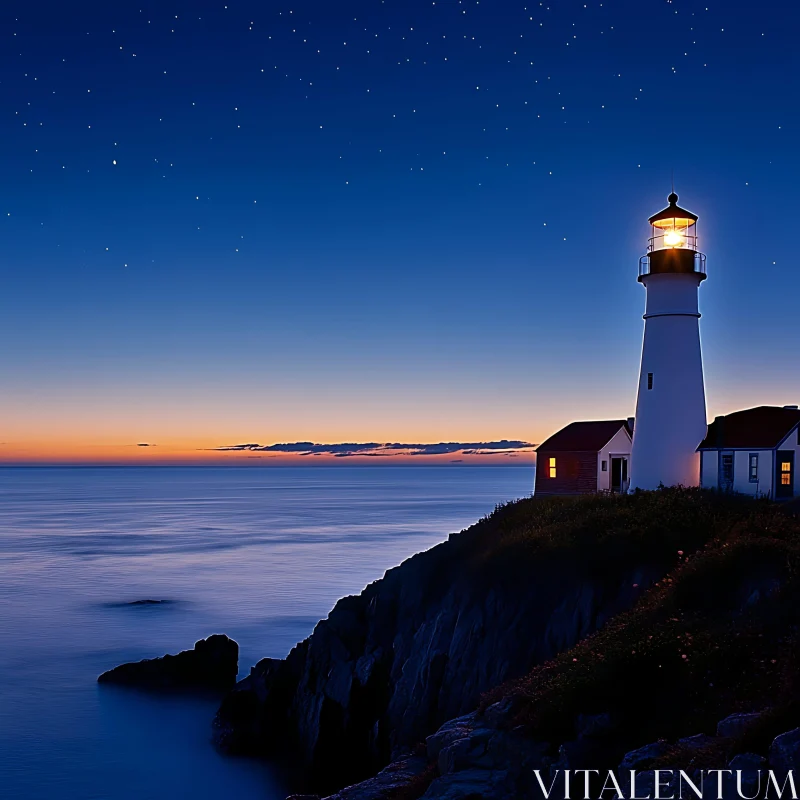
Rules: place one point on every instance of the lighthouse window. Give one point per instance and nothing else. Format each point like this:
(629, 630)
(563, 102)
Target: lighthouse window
(786, 479)
(649, 380)
(753, 467)
(604, 466)
(552, 468)
(786, 466)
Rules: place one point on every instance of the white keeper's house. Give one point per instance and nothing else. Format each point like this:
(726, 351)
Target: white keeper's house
(669, 442)
(756, 452)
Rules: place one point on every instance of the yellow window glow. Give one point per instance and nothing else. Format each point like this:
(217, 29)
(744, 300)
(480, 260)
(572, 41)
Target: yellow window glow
(786, 466)
(786, 479)
(552, 468)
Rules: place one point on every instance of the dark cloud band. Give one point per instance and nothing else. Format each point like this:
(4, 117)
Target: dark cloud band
(377, 449)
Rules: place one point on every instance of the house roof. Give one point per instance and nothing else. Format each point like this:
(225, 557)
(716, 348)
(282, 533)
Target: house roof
(764, 427)
(584, 436)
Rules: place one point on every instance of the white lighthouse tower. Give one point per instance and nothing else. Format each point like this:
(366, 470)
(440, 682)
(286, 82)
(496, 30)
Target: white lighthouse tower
(670, 418)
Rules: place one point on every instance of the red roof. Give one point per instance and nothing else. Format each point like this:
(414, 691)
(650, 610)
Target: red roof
(589, 437)
(761, 428)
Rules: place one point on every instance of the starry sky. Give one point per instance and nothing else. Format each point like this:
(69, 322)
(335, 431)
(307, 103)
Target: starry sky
(379, 220)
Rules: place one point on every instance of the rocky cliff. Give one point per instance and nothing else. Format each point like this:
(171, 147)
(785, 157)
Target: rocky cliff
(388, 667)
(703, 673)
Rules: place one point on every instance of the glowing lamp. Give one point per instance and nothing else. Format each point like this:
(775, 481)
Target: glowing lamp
(673, 238)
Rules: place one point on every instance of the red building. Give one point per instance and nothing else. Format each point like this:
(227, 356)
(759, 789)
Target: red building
(585, 457)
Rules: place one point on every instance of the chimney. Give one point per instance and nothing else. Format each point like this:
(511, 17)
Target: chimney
(631, 421)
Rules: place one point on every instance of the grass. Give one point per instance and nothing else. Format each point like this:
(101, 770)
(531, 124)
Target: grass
(717, 635)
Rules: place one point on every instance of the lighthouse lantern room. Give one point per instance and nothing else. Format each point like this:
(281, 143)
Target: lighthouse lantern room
(673, 244)
(670, 418)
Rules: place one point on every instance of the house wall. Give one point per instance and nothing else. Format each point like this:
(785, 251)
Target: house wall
(741, 472)
(741, 468)
(709, 477)
(576, 473)
(791, 443)
(620, 445)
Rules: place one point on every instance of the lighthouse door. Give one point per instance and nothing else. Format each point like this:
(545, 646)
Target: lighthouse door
(726, 472)
(785, 487)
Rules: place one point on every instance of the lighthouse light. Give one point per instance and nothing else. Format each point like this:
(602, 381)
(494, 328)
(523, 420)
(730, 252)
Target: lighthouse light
(673, 238)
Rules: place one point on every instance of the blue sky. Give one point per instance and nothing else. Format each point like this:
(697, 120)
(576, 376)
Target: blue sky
(380, 221)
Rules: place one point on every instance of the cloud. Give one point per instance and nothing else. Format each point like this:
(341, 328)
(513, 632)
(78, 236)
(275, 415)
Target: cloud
(383, 450)
(145, 444)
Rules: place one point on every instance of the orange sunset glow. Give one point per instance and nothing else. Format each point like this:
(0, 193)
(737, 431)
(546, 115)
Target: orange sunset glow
(208, 452)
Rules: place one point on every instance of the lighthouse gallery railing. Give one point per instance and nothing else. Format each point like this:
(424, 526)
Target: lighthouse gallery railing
(699, 264)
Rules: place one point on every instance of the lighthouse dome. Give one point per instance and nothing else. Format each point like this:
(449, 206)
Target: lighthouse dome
(673, 216)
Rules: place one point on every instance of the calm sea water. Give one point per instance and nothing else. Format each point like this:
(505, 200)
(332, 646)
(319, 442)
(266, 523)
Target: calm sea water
(258, 553)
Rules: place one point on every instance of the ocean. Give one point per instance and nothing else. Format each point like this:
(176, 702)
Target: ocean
(260, 554)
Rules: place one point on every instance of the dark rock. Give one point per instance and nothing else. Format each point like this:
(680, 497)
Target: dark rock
(514, 751)
(239, 726)
(212, 664)
(749, 764)
(503, 712)
(586, 753)
(146, 602)
(696, 742)
(471, 785)
(644, 784)
(386, 783)
(450, 732)
(784, 752)
(748, 761)
(593, 725)
(643, 756)
(736, 724)
(466, 752)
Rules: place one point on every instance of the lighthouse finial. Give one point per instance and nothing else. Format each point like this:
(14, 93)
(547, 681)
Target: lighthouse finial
(673, 198)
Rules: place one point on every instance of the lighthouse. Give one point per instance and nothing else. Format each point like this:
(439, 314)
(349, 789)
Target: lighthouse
(670, 420)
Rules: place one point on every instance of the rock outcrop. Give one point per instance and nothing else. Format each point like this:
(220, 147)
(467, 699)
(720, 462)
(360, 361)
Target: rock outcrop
(475, 756)
(531, 617)
(784, 753)
(420, 646)
(212, 664)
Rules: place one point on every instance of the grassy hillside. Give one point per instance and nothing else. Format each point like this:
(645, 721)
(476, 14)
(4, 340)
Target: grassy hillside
(719, 634)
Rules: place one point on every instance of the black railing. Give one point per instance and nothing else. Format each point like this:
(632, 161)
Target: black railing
(699, 264)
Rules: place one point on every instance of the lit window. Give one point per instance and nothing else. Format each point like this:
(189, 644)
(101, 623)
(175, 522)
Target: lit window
(786, 466)
(649, 380)
(753, 467)
(786, 479)
(604, 466)
(552, 468)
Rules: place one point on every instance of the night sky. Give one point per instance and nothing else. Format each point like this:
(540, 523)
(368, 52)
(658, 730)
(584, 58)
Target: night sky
(375, 221)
